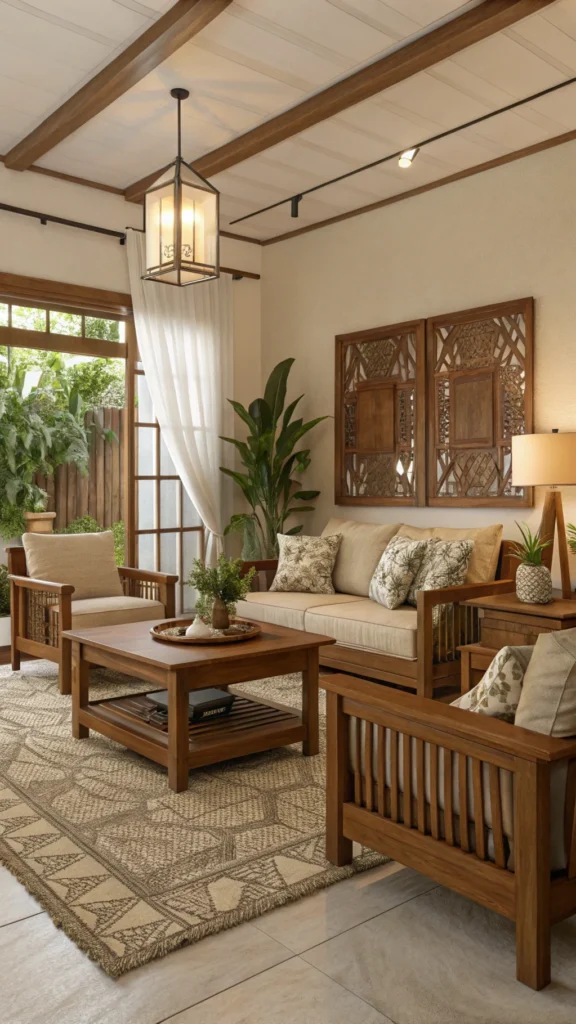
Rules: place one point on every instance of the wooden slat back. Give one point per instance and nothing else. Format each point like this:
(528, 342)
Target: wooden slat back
(497, 823)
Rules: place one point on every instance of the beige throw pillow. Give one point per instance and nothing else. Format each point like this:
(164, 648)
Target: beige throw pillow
(497, 695)
(548, 701)
(484, 559)
(396, 571)
(360, 549)
(86, 560)
(305, 564)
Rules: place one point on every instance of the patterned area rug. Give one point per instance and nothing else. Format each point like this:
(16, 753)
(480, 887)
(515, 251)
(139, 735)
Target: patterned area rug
(130, 870)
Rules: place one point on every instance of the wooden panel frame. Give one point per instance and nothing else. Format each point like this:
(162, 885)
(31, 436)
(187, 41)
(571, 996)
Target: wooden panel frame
(518, 307)
(416, 328)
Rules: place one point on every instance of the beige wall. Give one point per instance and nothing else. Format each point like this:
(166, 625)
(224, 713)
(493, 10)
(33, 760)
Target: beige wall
(500, 235)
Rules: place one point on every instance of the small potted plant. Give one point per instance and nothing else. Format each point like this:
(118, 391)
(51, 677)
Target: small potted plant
(219, 588)
(533, 580)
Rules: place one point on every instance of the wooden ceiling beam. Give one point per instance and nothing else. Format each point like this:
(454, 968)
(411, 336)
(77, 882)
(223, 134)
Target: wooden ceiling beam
(170, 32)
(439, 44)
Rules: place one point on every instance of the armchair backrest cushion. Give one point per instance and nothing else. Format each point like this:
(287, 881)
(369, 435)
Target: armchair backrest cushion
(86, 560)
(484, 558)
(360, 550)
(548, 700)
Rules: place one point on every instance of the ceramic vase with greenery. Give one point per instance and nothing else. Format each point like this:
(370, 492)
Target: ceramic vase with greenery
(533, 580)
(272, 465)
(219, 589)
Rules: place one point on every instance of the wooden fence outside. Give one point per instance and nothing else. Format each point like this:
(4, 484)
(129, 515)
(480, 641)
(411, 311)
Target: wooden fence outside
(100, 493)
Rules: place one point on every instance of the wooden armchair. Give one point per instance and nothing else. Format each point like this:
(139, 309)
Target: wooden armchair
(41, 611)
(476, 814)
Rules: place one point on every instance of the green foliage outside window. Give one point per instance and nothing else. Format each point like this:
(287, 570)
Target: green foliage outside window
(4, 591)
(86, 524)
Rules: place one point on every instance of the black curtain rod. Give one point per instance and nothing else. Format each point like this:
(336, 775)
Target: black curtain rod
(46, 218)
(394, 156)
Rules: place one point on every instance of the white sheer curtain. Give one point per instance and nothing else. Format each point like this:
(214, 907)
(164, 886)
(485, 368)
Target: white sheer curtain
(185, 343)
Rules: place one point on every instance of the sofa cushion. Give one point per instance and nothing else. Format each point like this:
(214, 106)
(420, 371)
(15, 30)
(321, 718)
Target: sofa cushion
(305, 564)
(360, 550)
(285, 609)
(366, 625)
(548, 700)
(396, 571)
(113, 611)
(484, 559)
(498, 693)
(86, 560)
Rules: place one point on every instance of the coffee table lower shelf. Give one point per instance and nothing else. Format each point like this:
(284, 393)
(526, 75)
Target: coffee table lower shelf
(251, 727)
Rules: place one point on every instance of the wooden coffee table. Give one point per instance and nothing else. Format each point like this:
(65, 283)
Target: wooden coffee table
(252, 725)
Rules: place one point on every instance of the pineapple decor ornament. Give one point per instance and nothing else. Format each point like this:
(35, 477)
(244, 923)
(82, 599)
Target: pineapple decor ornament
(533, 580)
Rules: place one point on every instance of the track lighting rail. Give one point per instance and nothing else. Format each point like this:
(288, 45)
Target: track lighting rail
(295, 199)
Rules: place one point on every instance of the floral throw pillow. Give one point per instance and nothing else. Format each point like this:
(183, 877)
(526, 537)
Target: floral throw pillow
(445, 564)
(396, 570)
(305, 564)
(498, 692)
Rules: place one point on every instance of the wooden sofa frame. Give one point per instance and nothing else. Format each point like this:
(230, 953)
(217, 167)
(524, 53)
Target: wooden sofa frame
(415, 832)
(41, 611)
(438, 659)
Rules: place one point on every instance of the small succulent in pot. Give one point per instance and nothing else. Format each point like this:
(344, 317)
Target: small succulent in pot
(219, 588)
(533, 579)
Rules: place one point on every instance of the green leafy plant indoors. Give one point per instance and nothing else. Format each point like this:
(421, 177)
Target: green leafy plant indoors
(4, 591)
(529, 552)
(86, 524)
(224, 581)
(269, 483)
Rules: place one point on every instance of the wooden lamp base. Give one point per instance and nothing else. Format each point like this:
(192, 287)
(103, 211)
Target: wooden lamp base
(552, 517)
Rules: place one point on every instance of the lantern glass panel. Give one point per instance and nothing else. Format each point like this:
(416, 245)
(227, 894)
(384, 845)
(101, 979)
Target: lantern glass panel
(160, 227)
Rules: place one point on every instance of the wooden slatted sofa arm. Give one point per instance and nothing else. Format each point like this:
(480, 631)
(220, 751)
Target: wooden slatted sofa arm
(469, 775)
(438, 641)
(160, 586)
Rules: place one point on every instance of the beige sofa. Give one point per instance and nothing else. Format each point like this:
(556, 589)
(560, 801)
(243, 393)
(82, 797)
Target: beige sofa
(397, 646)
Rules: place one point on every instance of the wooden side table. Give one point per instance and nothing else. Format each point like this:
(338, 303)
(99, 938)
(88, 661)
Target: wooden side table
(504, 621)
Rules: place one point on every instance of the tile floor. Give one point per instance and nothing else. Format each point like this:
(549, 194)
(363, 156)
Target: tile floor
(384, 947)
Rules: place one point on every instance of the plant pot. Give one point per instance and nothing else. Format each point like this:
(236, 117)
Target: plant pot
(39, 522)
(220, 617)
(5, 631)
(533, 584)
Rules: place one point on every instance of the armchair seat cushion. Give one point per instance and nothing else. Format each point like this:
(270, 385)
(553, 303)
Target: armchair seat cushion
(113, 611)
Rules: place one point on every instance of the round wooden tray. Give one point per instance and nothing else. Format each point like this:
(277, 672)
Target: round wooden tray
(158, 632)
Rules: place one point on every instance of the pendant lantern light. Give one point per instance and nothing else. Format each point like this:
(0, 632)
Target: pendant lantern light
(181, 212)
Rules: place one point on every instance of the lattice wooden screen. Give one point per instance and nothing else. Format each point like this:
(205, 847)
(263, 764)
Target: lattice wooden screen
(480, 394)
(380, 416)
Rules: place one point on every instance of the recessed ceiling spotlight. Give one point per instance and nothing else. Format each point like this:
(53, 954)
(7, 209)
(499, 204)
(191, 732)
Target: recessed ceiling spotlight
(407, 157)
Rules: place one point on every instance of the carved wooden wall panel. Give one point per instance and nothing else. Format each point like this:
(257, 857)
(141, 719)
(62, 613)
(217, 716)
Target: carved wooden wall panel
(380, 416)
(479, 395)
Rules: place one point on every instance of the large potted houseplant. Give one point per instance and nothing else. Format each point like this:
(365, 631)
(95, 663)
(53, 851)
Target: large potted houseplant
(219, 589)
(533, 579)
(272, 464)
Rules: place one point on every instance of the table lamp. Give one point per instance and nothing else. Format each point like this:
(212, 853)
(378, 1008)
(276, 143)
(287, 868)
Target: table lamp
(548, 460)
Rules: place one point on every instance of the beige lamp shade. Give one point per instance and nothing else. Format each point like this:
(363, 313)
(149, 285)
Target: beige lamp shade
(543, 459)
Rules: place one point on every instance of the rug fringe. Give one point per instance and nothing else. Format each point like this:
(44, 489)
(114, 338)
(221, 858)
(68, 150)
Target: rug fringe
(115, 967)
